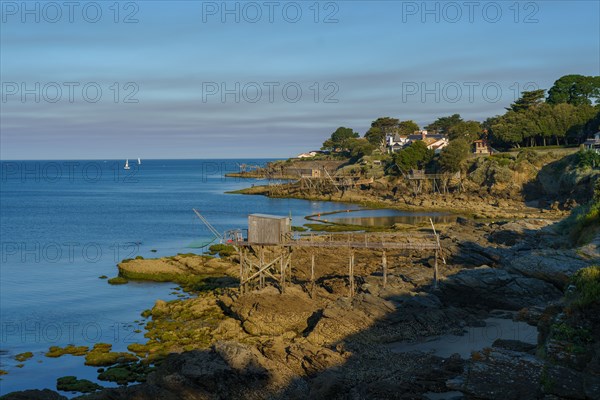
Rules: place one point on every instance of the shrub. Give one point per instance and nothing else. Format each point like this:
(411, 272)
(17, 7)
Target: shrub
(587, 284)
(588, 159)
(584, 221)
(454, 155)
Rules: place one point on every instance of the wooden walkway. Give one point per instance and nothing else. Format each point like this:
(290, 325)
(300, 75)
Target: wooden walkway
(255, 269)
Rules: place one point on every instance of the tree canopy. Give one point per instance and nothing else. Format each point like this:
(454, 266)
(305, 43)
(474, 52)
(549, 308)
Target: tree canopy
(467, 130)
(340, 139)
(531, 121)
(575, 89)
(415, 156)
(453, 155)
(527, 100)
(360, 147)
(379, 128)
(407, 127)
(443, 124)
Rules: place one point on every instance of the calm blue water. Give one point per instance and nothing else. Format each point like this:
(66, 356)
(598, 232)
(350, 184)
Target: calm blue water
(65, 223)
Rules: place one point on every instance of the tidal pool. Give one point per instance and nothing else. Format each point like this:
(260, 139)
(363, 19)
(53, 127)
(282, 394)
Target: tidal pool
(474, 338)
(386, 217)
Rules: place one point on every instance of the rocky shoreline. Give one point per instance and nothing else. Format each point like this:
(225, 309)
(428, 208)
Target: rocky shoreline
(479, 206)
(220, 344)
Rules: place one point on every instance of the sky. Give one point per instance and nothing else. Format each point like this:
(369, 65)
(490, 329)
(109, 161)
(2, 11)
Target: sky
(216, 79)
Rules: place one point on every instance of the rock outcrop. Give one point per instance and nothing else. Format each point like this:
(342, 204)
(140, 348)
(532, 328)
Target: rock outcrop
(492, 288)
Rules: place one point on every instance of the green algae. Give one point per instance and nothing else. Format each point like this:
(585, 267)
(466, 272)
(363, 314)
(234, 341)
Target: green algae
(56, 351)
(118, 280)
(24, 356)
(123, 374)
(102, 356)
(72, 384)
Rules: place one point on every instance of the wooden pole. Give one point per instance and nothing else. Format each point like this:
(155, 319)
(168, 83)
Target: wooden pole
(282, 268)
(384, 264)
(312, 274)
(351, 273)
(435, 270)
(241, 269)
(260, 266)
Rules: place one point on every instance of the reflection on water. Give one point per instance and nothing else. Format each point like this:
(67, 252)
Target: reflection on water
(388, 217)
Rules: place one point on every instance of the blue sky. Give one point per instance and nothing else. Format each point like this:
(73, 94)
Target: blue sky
(194, 68)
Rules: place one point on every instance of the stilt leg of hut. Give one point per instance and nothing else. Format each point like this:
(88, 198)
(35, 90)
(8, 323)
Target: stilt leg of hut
(312, 274)
(261, 277)
(241, 254)
(435, 270)
(384, 265)
(282, 263)
(351, 273)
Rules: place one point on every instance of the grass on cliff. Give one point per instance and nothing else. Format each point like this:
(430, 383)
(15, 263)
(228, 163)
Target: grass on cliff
(584, 222)
(587, 286)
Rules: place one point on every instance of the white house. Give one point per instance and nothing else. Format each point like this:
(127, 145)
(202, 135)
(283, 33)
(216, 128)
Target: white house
(396, 142)
(434, 142)
(593, 143)
(307, 155)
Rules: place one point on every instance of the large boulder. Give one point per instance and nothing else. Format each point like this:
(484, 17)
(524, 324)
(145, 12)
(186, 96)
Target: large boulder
(268, 312)
(492, 288)
(549, 265)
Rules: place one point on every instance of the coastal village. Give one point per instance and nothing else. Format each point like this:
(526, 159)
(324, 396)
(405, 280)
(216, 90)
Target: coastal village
(395, 142)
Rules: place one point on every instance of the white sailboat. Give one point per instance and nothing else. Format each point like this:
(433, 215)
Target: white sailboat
(127, 165)
(139, 161)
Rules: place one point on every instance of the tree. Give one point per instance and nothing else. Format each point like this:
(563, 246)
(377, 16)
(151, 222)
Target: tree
(575, 89)
(386, 124)
(564, 118)
(453, 155)
(583, 116)
(443, 124)
(468, 130)
(506, 130)
(527, 100)
(379, 128)
(339, 139)
(416, 155)
(360, 147)
(407, 127)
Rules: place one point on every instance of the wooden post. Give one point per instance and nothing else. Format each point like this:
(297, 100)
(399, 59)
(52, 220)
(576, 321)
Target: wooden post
(384, 264)
(282, 269)
(241, 269)
(435, 270)
(351, 273)
(289, 265)
(312, 273)
(261, 263)
(245, 269)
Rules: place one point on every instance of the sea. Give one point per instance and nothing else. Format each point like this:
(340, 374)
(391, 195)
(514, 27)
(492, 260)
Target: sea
(64, 224)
